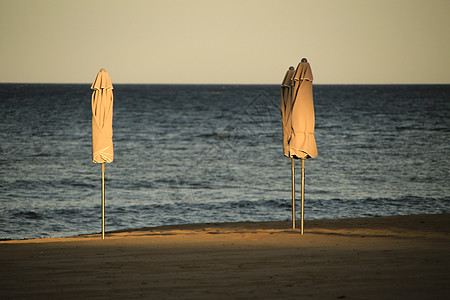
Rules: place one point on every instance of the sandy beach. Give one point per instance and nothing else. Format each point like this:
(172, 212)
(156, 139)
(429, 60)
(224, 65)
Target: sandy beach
(400, 257)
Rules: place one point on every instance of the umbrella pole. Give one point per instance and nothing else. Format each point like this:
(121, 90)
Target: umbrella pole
(293, 192)
(303, 194)
(103, 201)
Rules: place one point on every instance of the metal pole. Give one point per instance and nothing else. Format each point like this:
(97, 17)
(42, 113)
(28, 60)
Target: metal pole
(103, 201)
(293, 192)
(303, 193)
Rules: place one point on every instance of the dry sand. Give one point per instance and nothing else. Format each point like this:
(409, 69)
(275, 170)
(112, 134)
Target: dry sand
(401, 257)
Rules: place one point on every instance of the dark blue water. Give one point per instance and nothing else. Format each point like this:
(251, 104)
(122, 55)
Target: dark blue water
(213, 153)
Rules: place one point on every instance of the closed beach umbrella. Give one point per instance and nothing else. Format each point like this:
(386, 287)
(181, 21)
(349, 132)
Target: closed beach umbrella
(102, 117)
(301, 142)
(287, 88)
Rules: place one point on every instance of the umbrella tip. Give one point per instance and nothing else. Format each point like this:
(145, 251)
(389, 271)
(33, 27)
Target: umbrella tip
(102, 70)
(304, 59)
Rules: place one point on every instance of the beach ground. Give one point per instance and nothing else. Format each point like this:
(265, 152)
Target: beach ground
(399, 257)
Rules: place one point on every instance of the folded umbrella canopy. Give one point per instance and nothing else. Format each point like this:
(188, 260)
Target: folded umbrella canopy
(102, 117)
(302, 143)
(286, 107)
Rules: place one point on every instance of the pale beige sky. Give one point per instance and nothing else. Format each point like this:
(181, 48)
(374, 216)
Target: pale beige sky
(224, 41)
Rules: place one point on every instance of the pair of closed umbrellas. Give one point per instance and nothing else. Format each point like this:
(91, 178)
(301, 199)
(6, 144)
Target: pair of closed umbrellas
(297, 115)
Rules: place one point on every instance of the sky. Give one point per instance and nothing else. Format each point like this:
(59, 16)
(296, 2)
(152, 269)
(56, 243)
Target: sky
(225, 41)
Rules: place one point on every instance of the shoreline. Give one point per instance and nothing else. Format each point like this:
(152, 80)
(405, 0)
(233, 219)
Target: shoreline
(396, 257)
(328, 224)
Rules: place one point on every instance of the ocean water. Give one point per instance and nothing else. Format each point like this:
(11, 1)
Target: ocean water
(213, 153)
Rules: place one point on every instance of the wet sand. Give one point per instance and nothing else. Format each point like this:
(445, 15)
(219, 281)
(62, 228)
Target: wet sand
(400, 257)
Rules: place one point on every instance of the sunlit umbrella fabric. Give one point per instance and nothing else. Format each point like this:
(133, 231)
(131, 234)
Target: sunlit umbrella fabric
(302, 143)
(286, 107)
(102, 117)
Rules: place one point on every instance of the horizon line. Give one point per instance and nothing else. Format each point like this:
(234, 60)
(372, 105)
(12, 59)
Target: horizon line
(159, 83)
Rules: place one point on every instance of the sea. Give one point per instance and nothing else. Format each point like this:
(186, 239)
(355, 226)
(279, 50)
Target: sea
(213, 153)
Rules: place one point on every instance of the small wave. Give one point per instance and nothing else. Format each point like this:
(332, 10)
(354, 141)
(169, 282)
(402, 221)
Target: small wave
(28, 215)
(75, 183)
